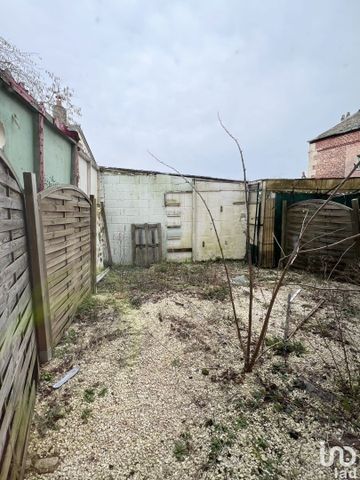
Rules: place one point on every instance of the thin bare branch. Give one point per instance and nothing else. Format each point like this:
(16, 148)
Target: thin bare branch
(290, 260)
(339, 259)
(193, 187)
(248, 245)
(326, 289)
(44, 86)
(324, 247)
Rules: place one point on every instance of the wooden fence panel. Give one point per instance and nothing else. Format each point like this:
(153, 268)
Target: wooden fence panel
(267, 250)
(65, 217)
(332, 224)
(18, 356)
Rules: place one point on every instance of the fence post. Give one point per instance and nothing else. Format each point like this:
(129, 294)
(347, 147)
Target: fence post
(159, 247)
(110, 262)
(40, 294)
(93, 216)
(356, 224)
(133, 243)
(283, 226)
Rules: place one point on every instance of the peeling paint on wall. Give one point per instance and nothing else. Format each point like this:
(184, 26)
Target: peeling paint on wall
(149, 197)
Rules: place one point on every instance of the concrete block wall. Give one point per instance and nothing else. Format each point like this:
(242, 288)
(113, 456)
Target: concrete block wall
(132, 199)
(186, 227)
(227, 205)
(179, 221)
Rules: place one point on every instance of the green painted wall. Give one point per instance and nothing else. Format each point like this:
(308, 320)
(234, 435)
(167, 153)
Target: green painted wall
(57, 153)
(19, 125)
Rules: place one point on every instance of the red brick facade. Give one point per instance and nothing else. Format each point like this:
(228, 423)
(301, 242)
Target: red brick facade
(334, 156)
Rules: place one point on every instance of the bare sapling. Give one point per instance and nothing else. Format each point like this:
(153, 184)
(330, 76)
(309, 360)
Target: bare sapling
(248, 248)
(253, 345)
(286, 261)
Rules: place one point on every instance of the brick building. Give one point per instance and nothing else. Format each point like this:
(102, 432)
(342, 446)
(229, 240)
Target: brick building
(334, 152)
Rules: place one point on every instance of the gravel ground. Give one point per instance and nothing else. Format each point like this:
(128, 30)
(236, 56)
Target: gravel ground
(160, 392)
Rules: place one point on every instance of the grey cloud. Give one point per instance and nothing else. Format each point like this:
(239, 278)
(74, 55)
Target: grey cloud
(153, 74)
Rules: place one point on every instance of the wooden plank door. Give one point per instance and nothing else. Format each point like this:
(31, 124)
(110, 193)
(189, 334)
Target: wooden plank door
(146, 244)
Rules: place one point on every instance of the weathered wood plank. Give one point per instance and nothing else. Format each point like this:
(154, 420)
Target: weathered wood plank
(13, 246)
(67, 251)
(54, 277)
(8, 296)
(7, 225)
(9, 181)
(68, 315)
(68, 243)
(58, 262)
(72, 284)
(61, 238)
(70, 207)
(58, 233)
(11, 202)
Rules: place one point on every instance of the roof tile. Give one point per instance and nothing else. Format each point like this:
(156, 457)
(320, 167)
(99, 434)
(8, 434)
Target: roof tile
(349, 124)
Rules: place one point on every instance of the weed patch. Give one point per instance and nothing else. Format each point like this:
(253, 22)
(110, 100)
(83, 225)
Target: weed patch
(283, 348)
(103, 392)
(46, 376)
(48, 420)
(182, 446)
(219, 293)
(86, 414)
(89, 395)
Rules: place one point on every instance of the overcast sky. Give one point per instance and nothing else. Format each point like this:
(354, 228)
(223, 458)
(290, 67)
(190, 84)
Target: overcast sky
(152, 75)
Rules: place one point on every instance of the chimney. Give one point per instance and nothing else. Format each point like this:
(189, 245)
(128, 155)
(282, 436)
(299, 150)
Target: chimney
(348, 114)
(342, 117)
(59, 112)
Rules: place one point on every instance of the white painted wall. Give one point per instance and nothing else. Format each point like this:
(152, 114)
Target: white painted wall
(226, 202)
(88, 176)
(137, 197)
(93, 187)
(83, 169)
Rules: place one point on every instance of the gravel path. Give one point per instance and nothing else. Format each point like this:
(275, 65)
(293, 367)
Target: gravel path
(159, 395)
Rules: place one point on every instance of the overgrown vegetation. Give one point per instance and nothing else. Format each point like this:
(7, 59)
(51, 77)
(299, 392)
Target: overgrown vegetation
(301, 381)
(136, 285)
